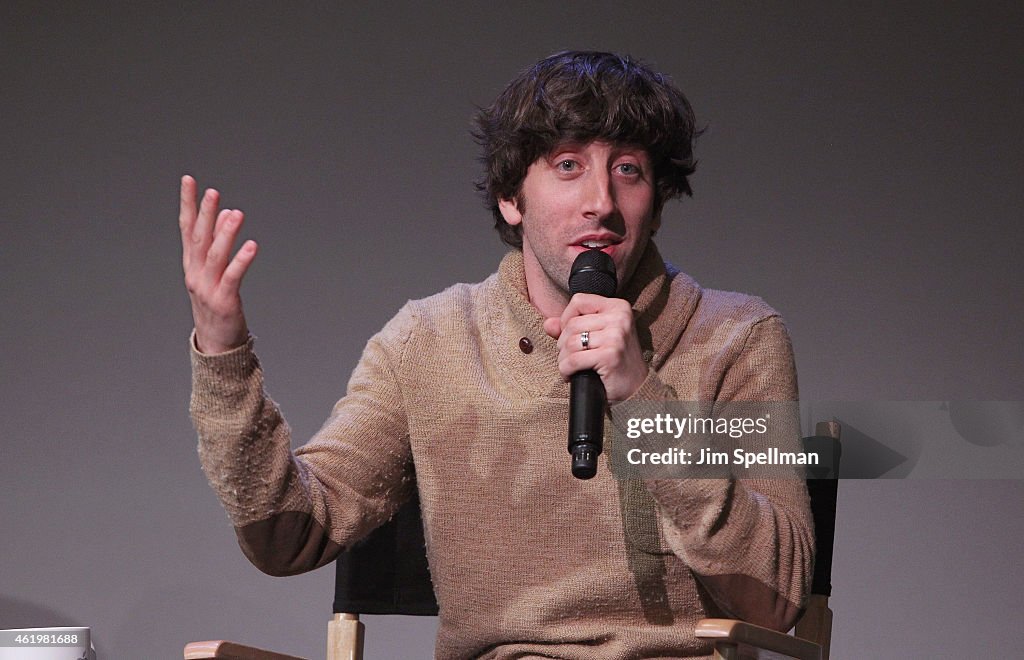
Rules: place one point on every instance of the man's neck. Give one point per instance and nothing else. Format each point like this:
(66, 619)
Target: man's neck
(547, 298)
(548, 306)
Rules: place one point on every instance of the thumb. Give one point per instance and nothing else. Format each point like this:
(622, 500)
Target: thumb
(553, 326)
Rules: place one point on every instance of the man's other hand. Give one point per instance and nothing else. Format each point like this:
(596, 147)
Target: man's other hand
(212, 277)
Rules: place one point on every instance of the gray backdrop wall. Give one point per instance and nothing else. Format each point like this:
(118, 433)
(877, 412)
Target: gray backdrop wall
(861, 170)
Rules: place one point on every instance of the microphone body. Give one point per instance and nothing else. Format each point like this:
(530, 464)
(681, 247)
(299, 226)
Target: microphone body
(593, 272)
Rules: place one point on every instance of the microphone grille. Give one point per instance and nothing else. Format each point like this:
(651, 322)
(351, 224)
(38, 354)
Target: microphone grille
(593, 271)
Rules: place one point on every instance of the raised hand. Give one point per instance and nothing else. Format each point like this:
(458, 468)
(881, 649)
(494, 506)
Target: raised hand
(212, 277)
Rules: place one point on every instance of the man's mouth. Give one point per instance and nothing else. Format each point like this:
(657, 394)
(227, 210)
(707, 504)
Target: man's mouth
(605, 242)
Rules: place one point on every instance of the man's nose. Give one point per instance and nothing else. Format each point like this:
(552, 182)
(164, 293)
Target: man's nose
(599, 200)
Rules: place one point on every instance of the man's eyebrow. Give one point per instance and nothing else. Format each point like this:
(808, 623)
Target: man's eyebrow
(627, 147)
(567, 145)
(577, 145)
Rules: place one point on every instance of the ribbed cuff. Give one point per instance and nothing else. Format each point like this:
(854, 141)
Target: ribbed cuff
(218, 378)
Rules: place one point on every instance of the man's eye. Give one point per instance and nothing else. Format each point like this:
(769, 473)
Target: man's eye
(566, 165)
(629, 169)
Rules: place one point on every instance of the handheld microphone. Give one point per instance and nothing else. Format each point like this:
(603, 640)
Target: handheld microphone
(592, 272)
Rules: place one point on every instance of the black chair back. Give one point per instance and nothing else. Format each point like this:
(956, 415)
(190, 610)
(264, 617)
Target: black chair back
(822, 485)
(387, 573)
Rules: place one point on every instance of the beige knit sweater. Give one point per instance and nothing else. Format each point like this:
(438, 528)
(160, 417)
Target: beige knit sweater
(445, 397)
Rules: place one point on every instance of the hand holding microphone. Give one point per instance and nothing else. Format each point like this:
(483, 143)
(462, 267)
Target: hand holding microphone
(599, 353)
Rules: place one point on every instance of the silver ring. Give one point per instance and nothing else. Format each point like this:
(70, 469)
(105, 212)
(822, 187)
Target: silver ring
(585, 339)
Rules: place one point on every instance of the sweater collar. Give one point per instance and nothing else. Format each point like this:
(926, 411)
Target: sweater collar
(662, 297)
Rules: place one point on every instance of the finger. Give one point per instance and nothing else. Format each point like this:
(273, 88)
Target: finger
(586, 303)
(202, 231)
(604, 331)
(231, 281)
(228, 224)
(187, 205)
(553, 327)
(186, 215)
(572, 340)
(613, 313)
(573, 329)
(570, 363)
(589, 341)
(222, 216)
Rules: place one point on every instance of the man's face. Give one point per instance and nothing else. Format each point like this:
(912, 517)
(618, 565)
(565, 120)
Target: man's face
(577, 197)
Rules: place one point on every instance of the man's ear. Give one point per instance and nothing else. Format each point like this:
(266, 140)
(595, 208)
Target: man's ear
(510, 211)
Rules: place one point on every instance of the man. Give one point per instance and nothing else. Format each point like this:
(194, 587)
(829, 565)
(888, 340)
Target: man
(463, 395)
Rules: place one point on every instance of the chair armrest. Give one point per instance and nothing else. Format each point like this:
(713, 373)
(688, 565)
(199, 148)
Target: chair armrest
(222, 650)
(735, 632)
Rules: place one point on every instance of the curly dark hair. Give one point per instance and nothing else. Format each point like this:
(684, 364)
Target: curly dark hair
(582, 96)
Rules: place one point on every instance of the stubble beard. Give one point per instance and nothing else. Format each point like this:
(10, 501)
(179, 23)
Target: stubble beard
(550, 264)
(556, 273)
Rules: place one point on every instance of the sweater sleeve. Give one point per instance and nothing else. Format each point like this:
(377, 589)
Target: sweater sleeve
(749, 541)
(295, 511)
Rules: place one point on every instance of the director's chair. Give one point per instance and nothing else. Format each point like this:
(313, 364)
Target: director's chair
(386, 573)
(813, 633)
